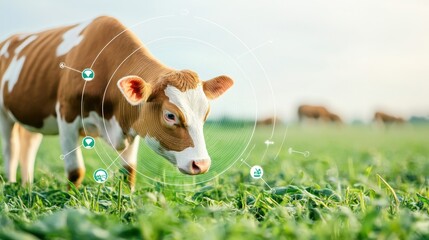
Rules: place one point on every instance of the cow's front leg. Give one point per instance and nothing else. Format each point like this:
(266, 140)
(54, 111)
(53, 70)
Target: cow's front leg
(129, 161)
(70, 148)
(10, 146)
(29, 144)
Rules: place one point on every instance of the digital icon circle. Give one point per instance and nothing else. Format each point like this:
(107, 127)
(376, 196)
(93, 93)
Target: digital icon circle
(256, 172)
(88, 142)
(88, 74)
(100, 175)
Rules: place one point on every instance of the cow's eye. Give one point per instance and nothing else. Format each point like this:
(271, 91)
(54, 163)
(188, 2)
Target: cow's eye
(170, 118)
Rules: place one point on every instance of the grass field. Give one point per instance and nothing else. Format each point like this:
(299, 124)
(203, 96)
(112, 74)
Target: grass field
(358, 183)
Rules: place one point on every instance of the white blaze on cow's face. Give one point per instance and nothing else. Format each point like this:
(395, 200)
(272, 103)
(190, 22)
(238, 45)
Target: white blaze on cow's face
(193, 106)
(172, 116)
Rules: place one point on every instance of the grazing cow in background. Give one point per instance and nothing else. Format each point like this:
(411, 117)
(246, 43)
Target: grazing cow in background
(384, 118)
(317, 113)
(268, 121)
(132, 95)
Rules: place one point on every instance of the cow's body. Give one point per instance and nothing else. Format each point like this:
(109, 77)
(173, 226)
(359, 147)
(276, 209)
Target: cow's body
(43, 98)
(317, 113)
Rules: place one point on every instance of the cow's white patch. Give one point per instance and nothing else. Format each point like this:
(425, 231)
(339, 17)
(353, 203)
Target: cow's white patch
(22, 36)
(69, 134)
(115, 134)
(193, 102)
(4, 50)
(154, 144)
(71, 38)
(25, 43)
(14, 69)
(12, 73)
(9, 150)
(184, 158)
(132, 132)
(129, 155)
(194, 105)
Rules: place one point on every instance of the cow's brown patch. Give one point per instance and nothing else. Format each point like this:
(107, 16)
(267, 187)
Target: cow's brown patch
(150, 122)
(182, 80)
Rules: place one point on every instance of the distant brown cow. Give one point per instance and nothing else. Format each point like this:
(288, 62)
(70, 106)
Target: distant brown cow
(385, 118)
(268, 121)
(317, 112)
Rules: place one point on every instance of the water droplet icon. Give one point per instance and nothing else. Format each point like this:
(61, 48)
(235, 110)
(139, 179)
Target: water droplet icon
(88, 73)
(88, 142)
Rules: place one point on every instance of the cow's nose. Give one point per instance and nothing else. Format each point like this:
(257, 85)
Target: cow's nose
(197, 167)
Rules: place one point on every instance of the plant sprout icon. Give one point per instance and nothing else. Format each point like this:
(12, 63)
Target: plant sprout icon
(256, 172)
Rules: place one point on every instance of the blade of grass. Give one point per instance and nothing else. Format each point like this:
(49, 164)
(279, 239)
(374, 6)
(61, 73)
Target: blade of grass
(391, 190)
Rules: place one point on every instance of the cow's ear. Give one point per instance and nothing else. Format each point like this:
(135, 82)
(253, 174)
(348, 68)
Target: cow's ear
(134, 89)
(215, 87)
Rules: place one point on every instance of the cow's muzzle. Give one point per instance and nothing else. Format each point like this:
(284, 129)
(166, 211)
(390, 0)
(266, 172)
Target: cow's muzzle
(196, 167)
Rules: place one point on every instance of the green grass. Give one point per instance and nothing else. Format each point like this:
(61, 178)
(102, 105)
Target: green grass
(358, 183)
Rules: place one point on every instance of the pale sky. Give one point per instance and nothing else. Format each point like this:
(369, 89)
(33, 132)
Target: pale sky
(353, 56)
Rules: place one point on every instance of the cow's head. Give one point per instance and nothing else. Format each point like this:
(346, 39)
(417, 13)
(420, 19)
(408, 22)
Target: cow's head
(172, 114)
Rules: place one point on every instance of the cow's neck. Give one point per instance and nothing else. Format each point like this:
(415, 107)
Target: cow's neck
(142, 64)
(128, 52)
(149, 68)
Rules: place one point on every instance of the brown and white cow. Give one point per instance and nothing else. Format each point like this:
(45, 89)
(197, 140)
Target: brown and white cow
(132, 95)
(317, 113)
